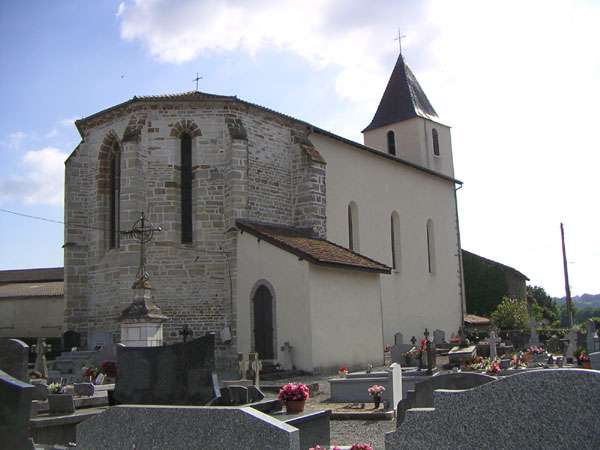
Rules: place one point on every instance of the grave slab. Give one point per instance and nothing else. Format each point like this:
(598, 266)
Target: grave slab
(480, 419)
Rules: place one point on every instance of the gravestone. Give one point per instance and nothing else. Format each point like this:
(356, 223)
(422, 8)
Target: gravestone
(591, 336)
(494, 340)
(179, 374)
(255, 366)
(422, 395)
(85, 389)
(15, 409)
(534, 338)
(398, 350)
(396, 395)
(526, 410)
(572, 345)
(595, 360)
(41, 366)
(439, 337)
(14, 356)
(458, 355)
(185, 428)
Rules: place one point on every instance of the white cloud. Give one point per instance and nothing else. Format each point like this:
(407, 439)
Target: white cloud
(41, 180)
(181, 32)
(516, 80)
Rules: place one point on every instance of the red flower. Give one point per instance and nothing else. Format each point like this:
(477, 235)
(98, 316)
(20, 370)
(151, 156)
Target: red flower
(293, 391)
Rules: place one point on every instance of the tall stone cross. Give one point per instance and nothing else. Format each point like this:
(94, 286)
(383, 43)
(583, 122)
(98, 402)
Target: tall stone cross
(142, 232)
(494, 340)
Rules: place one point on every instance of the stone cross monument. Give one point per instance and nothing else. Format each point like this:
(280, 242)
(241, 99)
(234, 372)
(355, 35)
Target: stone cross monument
(142, 321)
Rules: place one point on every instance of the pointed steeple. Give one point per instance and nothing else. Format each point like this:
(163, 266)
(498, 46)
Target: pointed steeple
(403, 99)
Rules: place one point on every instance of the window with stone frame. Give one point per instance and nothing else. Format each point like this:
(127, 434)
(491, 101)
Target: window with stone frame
(114, 197)
(436, 142)
(391, 142)
(187, 233)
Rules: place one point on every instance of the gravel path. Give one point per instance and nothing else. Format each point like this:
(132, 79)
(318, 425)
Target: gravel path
(348, 432)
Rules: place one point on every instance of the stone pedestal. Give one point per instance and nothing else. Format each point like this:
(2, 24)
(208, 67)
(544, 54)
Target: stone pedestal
(142, 321)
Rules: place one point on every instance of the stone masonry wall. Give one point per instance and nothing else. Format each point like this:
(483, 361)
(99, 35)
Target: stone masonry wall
(244, 166)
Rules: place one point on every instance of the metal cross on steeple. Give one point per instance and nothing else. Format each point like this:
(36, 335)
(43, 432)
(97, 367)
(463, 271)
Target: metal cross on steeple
(399, 39)
(142, 231)
(198, 78)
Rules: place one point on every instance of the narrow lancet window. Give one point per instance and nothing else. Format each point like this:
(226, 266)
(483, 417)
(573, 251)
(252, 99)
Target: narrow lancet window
(186, 189)
(115, 197)
(353, 226)
(391, 143)
(436, 142)
(430, 247)
(395, 238)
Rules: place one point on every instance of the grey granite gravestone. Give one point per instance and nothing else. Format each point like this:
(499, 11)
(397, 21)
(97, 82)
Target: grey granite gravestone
(422, 394)
(595, 360)
(14, 356)
(399, 348)
(542, 398)
(179, 374)
(15, 409)
(572, 344)
(591, 336)
(439, 337)
(185, 427)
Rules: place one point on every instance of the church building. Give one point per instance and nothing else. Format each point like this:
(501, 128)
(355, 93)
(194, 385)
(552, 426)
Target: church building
(279, 236)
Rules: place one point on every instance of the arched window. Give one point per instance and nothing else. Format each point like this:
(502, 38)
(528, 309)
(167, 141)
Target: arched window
(353, 226)
(436, 142)
(186, 189)
(391, 143)
(115, 196)
(430, 247)
(395, 239)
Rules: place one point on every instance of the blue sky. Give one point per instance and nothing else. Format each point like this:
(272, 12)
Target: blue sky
(516, 80)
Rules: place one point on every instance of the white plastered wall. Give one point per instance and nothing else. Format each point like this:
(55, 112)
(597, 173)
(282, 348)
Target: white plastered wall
(413, 299)
(414, 143)
(259, 260)
(32, 316)
(345, 310)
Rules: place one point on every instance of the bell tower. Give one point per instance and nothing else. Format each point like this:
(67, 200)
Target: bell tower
(407, 126)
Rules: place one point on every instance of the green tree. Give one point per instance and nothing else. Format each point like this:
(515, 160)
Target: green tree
(545, 307)
(511, 314)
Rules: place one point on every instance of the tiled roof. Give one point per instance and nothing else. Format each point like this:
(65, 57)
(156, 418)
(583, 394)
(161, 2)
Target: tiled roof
(402, 99)
(32, 275)
(300, 242)
(476, 320)
(41, 289)
(496, 263)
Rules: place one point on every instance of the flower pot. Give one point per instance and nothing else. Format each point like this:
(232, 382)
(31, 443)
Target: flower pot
(60, 403)
(587, 365)
(294, 406)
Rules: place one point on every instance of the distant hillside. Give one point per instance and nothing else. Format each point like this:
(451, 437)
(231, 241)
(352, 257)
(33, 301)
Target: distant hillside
(584, 300)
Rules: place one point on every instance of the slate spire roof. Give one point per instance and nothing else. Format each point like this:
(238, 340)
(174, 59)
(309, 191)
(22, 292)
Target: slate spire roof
(403, 99)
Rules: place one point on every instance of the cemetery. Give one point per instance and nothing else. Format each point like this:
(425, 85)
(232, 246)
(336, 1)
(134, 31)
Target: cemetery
(173, 396)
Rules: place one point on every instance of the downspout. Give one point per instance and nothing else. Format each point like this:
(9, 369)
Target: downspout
(381, 311)
(461, 279)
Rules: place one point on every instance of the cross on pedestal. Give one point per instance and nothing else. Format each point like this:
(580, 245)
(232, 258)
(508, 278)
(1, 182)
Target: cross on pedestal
(142, 232)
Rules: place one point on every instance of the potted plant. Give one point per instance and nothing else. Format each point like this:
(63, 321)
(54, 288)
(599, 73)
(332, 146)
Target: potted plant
(584, 360)
(343, 372)
(58, 402)
(375, 391)
(494, 368)
(294, 395)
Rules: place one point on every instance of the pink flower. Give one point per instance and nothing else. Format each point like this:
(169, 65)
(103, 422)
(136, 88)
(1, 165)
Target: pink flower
(376, 389)
(294, 391)
(361, 447)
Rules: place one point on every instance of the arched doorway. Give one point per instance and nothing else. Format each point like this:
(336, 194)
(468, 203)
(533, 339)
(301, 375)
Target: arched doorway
(263, 322)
